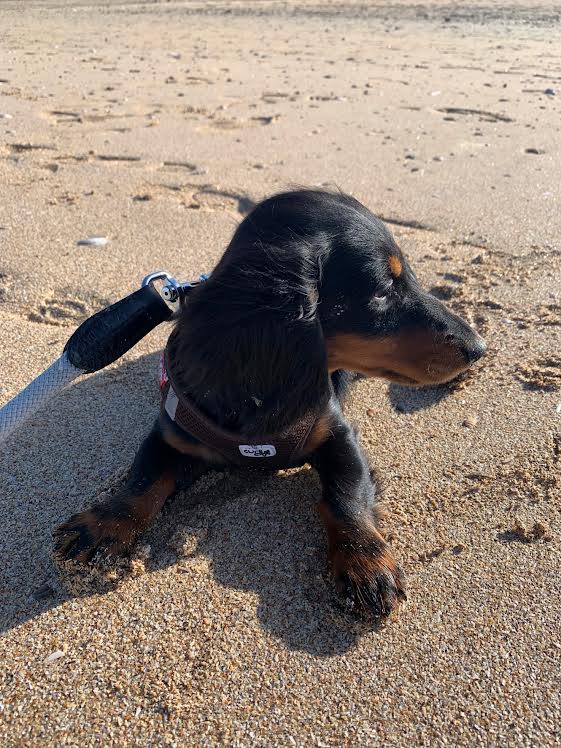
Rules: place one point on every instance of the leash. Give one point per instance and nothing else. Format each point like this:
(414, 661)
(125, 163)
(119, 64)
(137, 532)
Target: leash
(99, 341)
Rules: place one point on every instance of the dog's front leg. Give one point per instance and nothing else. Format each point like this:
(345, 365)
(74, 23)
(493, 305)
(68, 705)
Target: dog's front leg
(361, 560)
(113, 525)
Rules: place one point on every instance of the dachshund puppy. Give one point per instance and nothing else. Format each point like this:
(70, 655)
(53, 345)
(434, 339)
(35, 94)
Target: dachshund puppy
(311, 293)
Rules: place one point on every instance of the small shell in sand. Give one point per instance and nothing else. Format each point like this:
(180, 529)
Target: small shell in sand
(93, 241)
(54, 656)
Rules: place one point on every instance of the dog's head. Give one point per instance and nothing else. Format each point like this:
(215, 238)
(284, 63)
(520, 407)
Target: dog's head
(313, 278)
(377, 319)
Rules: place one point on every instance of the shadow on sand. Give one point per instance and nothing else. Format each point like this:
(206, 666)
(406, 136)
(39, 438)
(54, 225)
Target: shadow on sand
(264, 533)
(413, 399)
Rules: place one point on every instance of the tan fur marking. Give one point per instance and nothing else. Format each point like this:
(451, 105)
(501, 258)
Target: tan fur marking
(319, 434)
(119, 532)
(396, 268)
(416, 357)
(348, 554)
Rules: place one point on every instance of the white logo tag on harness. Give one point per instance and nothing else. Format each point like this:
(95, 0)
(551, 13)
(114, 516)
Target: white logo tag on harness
(257, 450)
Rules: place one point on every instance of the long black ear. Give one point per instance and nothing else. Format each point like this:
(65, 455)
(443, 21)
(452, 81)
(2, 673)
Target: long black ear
(248, 346)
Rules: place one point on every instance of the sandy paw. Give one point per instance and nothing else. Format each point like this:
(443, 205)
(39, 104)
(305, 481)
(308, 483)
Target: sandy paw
(369, 579)
(90, 533)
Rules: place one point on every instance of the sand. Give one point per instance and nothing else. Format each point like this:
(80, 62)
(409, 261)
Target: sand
(157, 125)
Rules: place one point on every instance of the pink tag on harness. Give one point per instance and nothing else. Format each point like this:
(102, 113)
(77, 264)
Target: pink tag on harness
(164, 379)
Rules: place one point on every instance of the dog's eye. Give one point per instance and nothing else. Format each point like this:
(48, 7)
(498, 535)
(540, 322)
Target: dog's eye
(383, 293)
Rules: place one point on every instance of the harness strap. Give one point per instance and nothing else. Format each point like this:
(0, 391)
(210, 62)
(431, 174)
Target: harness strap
(269, 451)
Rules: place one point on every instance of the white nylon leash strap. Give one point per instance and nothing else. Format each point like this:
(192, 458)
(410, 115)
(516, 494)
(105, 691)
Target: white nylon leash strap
(59, 373)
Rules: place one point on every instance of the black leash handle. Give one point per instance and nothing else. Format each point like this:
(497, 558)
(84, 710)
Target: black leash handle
(106, 335)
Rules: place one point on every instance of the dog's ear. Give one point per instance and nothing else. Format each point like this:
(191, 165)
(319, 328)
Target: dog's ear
(249, 344)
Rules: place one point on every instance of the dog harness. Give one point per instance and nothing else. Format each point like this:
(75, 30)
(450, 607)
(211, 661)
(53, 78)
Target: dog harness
(270, 452)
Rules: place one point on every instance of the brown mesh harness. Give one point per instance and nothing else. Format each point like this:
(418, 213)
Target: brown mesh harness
(267, 451)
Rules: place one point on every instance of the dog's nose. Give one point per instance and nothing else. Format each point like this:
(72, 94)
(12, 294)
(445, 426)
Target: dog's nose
(475, 349)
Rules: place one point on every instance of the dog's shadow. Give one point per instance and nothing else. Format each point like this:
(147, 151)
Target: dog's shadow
(413, 399)
(264, 534)
(53, 466)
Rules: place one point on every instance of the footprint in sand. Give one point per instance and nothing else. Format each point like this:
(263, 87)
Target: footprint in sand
(525, 533)
(26, 147)
(200, 197)
(549, 316)
(226, 123)
(117, 158)
(213, 199)
(69, 116)
(191, 168)
(272, 97)
(544, 374)
(482, 116)
(237, 123)
(66, 310)
(6, 282)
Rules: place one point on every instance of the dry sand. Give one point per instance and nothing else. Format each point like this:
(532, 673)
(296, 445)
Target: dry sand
(156, 125)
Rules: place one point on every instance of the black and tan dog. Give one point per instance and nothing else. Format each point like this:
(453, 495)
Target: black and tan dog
(311, 293)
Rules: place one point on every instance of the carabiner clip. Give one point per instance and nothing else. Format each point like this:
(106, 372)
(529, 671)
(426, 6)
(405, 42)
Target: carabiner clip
(172, 289)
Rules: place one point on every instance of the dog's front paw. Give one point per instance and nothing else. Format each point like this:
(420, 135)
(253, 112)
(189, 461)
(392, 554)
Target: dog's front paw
(93, 531)
(367, 575)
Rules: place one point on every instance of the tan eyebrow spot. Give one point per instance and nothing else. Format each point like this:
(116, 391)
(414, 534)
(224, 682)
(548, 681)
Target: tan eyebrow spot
(396, 268)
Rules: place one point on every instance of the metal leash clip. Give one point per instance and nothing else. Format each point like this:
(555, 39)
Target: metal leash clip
(172, 290)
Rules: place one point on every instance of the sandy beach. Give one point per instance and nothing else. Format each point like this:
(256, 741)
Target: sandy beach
(158, 125)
